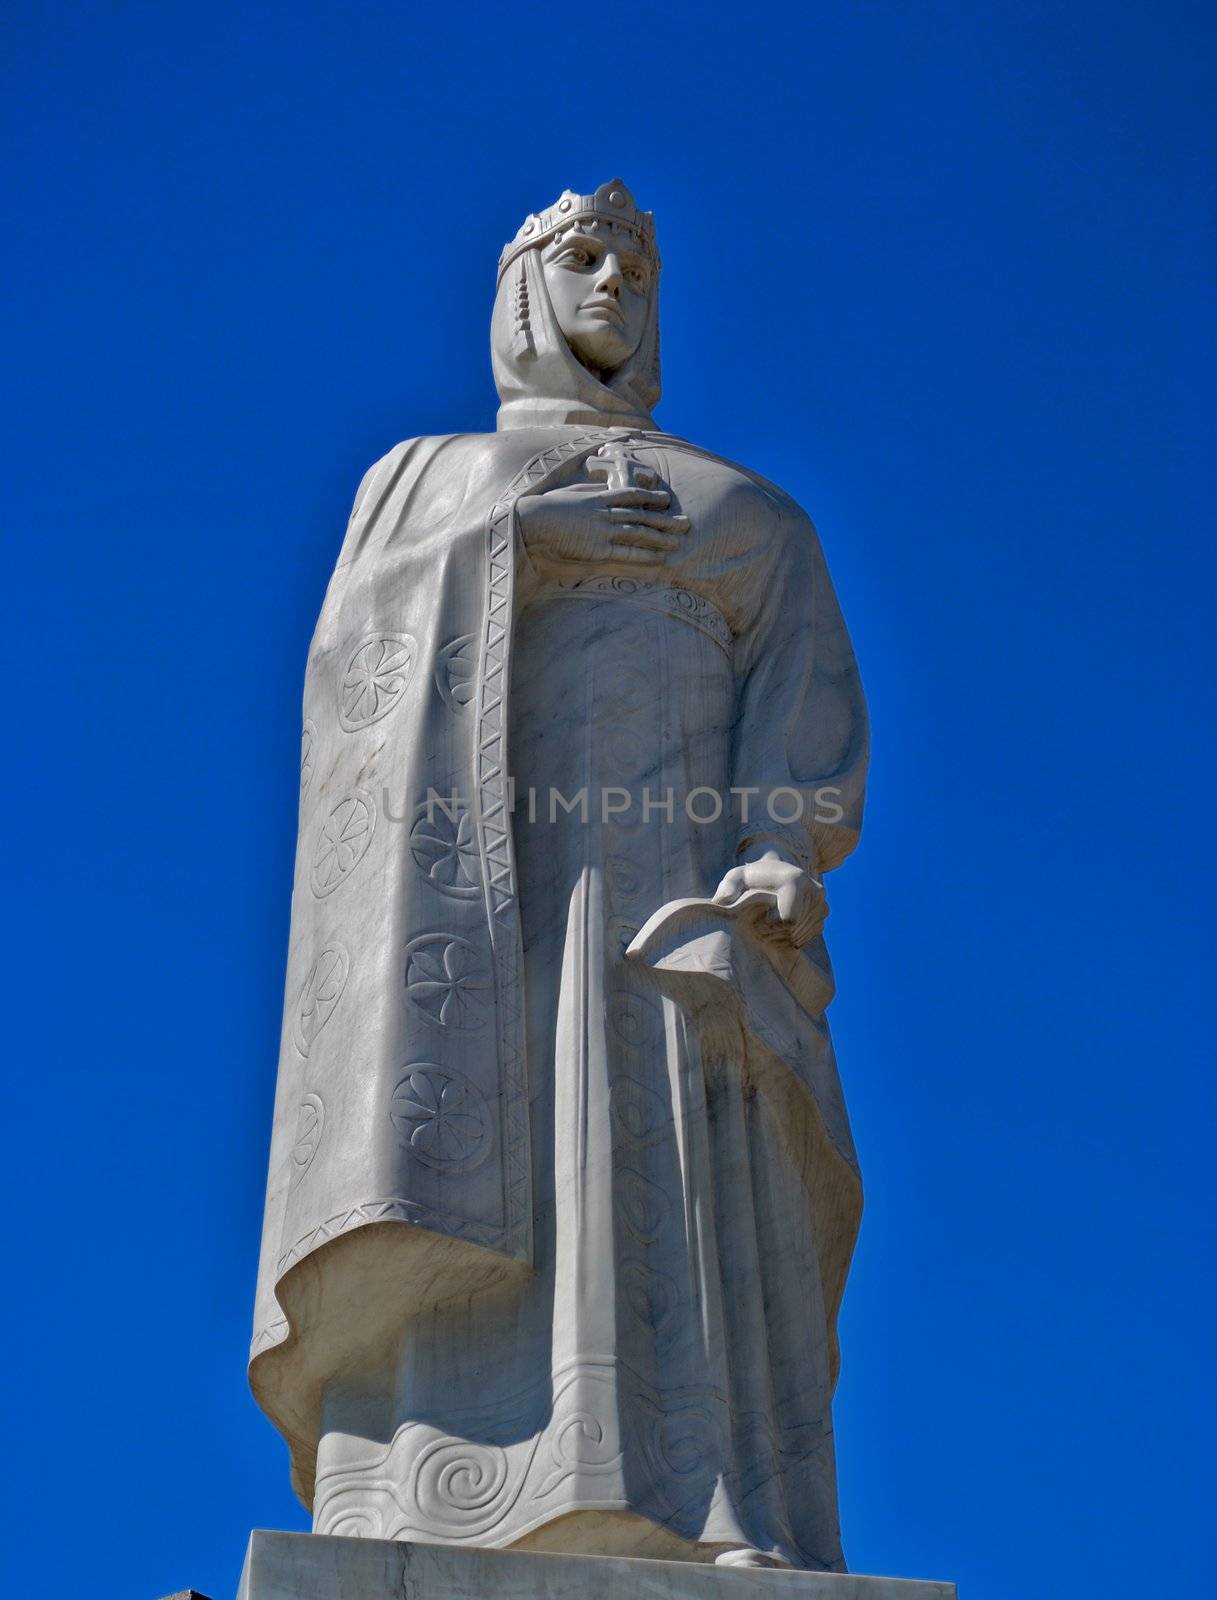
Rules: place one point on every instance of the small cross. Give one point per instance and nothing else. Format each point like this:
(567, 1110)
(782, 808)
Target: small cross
(619, 469)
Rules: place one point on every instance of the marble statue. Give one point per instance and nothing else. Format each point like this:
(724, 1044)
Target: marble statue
(562, 1192)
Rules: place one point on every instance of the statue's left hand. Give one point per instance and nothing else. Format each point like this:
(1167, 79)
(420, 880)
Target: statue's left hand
(799, 903)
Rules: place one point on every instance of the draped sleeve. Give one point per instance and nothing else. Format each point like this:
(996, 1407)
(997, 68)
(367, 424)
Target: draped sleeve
(801, 732)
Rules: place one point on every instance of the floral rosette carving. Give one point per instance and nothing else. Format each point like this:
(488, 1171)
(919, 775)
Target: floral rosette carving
(456, 671)
(308, 755)
(377, 676)
(443, 842)
(343, 841)
(319, 995)
(310, 1123)
(448, 979)
(441, 1118)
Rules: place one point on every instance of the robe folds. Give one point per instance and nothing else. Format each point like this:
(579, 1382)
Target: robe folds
(551, 1229)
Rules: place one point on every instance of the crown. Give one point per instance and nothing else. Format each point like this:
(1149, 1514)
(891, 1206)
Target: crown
(612, 203)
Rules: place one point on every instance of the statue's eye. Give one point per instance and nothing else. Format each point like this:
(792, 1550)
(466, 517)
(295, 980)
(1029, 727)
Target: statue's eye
(577, 256)
(636, 278)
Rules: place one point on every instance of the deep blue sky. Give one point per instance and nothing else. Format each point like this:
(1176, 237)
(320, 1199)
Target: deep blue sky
(936, 268)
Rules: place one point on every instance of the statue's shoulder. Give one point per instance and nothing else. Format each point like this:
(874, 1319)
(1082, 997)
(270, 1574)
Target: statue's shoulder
(784, 504)
(411, 455)
(429, 445)
(465, 458)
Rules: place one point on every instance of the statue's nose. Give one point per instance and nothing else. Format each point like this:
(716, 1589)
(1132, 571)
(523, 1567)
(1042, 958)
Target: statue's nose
(609, 281)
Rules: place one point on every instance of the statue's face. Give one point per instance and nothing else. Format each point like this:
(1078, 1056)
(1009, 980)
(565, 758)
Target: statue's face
(600, 287)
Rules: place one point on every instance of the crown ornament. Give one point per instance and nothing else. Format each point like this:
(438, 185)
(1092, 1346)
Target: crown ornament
(612, 205)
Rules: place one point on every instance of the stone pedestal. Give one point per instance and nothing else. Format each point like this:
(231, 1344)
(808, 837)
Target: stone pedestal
(304, 1566)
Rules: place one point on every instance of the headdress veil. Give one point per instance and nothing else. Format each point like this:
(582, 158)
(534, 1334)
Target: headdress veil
(540, 380)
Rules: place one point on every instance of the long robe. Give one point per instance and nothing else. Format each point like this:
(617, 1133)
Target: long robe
(552, 1254)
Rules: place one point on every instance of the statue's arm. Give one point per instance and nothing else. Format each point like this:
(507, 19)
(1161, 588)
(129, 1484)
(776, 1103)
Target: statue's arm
(802, 736)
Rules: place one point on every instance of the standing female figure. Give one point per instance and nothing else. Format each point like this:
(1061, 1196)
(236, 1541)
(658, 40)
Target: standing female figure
(562, 1191)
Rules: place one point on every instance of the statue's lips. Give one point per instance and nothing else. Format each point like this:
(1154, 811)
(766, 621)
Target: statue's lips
(608, 309)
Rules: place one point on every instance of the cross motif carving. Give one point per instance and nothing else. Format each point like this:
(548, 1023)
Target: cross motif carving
(619, 468)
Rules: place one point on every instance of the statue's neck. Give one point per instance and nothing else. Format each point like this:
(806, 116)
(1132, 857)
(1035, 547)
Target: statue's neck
(534, 411)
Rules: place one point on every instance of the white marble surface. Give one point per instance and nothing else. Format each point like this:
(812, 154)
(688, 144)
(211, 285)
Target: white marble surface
(295, 1566)
(558, 1223)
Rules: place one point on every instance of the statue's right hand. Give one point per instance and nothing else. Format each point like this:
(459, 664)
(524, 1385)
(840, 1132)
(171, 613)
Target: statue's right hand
(588, 522)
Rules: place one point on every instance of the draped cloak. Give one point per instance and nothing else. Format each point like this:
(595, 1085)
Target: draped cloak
(436, 1096)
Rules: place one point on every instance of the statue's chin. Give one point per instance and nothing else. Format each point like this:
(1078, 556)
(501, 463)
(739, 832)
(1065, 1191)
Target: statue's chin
(602, 359)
